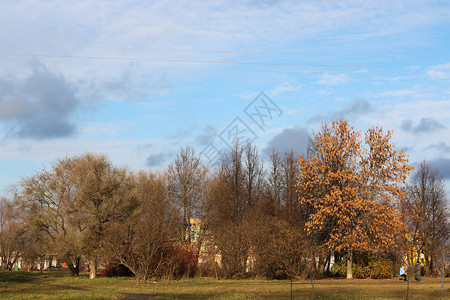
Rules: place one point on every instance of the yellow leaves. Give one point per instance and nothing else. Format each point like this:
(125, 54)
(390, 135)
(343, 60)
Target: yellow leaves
(351, 187)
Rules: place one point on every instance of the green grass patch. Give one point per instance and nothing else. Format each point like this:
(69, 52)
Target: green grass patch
(20, 276)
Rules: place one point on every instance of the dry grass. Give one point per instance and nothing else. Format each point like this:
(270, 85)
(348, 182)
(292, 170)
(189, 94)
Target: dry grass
(56, 285)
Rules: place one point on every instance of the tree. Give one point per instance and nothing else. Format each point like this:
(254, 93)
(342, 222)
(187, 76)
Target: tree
(275, 179)
(45, 200)
(350, 192)
(278, 238)
(102, 193)
(141, 242)
(11, 234)
(227, 208)
(427, 215)
(74, 202)
(254, 175)
(186, 179)
(290, 170)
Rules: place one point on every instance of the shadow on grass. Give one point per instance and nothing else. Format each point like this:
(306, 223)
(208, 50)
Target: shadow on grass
(20, 276)
(138, 296)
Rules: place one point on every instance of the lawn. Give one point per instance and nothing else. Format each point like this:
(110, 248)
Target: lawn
(58, 285)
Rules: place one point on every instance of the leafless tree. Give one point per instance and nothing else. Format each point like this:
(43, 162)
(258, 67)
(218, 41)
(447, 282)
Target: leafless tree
(11, 234)
(73, 202)
(254, 175)
(142, 241)
(45, 200)
(102, 193)
(226, 209)
(428, 214)
(275, 178)
(186, 178)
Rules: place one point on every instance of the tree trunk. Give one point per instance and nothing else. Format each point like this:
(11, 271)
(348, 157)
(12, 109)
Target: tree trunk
(328, 263)
(432, 267)
(349, 265)
(75, 269)
(93, 268)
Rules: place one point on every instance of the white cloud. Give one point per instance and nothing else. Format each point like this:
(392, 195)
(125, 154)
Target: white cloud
(286, 87)
(331, 79)
(438, 74)
(440, 71)
(398, 93)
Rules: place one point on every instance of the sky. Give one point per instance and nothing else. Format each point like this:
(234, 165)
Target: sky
(138, 80)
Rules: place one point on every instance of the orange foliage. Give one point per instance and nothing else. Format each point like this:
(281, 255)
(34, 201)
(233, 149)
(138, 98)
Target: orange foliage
(351, 189)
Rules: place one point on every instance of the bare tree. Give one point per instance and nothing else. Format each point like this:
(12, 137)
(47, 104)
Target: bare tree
(226, 210)
(11, 234)
(275, 178)
(254, 174)
(186, 178)
(290, 171)
(428, 214)
(142, 241)
(45, 200)
(74, 202)
(102, 193)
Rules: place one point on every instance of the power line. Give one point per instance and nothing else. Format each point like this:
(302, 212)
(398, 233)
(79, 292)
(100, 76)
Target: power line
(175, 67)
(227, 52)
(221, 62)
(200, 69)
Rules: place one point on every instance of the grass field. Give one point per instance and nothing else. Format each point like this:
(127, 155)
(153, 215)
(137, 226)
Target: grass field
(58, 285)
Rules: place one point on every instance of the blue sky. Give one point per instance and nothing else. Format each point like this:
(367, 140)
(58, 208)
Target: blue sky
(137, 80)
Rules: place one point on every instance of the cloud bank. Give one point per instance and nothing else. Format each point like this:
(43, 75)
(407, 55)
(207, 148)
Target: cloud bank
(295, 139)
(425, 125)
(38, 107)
(352, 111)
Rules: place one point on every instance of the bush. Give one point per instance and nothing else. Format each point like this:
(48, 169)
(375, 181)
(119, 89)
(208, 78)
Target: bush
(114, 269)
(365, 267)
(381, 268)
(208, 268)
(179, 261)
(360, 271)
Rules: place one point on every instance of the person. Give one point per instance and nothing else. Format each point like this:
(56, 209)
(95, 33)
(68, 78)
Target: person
(402, 274)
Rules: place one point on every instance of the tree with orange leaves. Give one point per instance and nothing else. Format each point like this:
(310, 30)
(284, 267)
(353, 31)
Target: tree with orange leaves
(350, 189)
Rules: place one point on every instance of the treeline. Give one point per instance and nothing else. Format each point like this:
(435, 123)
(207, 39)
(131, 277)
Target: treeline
(345, 202)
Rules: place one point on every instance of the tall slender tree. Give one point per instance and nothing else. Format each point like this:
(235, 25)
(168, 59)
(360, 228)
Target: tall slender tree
(427, 215)
(186, 177)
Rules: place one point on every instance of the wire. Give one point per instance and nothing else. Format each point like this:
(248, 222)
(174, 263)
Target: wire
(200, 69)
(224, 51)
(221, 62)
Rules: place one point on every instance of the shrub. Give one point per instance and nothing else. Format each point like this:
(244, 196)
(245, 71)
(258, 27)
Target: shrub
(179, 261)
(381, 268)
(208, 267)
(114, 269)
(339, 268)
(365, 267)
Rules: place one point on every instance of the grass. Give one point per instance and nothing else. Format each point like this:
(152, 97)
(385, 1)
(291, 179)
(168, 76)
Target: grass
(58, 285)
